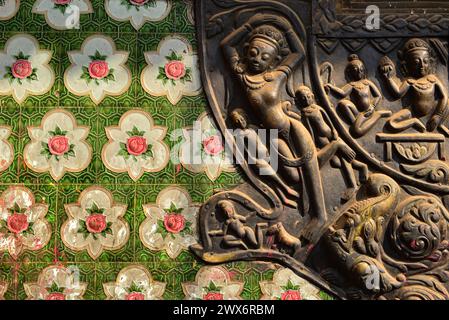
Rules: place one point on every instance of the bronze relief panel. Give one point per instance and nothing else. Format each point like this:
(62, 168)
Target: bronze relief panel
(355, 200)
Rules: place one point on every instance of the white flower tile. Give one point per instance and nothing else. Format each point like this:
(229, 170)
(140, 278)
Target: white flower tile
(172, 70)
(95, 223)
(213, 283)
(286, 285)
(24, 68)
(22, 222)
(138, 12)
(134, 283)
(98, 69)
(203, 149)
(135, 146)
(58, 145)
(9, 9)
(56, 283)
(62, 14)
(171, 222)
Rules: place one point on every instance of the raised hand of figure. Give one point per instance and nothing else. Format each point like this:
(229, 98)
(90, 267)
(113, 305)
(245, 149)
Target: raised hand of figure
(328, 88)
(387, 68)
(369, 112)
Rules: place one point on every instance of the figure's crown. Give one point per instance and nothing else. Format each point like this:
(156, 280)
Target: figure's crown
(415, 44)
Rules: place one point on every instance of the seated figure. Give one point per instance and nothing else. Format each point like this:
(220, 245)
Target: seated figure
(423, 93)
(360, 98)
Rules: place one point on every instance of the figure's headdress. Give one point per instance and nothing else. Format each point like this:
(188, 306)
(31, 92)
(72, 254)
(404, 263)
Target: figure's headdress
(271, 35)
(414, 45)
(351, 59)
(410, 46)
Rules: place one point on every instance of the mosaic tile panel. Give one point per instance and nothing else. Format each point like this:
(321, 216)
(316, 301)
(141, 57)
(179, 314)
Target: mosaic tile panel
(88, 192)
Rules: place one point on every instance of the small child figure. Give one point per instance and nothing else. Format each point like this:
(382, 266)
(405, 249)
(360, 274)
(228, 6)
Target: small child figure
(425, 94)
(259, 156)
(327, 140)
(364, 97)
(235, 232)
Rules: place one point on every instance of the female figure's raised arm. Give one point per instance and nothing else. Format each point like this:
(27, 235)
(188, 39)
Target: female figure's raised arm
(229, 44)
(298, 52)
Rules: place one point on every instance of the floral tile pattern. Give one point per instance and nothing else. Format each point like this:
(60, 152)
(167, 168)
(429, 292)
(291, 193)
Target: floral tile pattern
(170, 223)
(213, 283)
(24, 68)
(138, 11)
(56, 283)
(61, 14)
(98, 69)
(135, 145)
(58, 145)
(205, 153)
(172, 70)
(22, 222)
(95, 223)
(99, 193)
(286, 285)
(9, 9)
(134, 283)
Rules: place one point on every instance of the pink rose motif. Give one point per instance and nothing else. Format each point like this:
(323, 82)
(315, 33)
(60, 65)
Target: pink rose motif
(135, 296)
(136, 145)
(21, 69)
(62, 2)
(17, 222)
(174, 223)
(138, 2)
(175, 70)
(96, 223)
(291, 295)
(55, 296)
(58, 145)
(213, 145)
(98, 69)
(213, 296)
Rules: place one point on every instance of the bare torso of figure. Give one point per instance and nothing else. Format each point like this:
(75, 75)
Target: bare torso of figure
(422, 93)
(266, 101)
(361, 95)
(236, 226)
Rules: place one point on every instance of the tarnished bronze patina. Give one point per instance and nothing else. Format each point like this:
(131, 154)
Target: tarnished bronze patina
(358, 203)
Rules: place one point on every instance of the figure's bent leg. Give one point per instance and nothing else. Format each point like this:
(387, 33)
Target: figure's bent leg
(314, 187)
(250, 236)
(231, 241)
(403, 120)
(290, 175)
(312, 180)
(326, 153)
(363, 170)
(347, 110)
(351, 181)
(364, 124)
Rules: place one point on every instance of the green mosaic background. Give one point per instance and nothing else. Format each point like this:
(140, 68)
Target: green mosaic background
(124, 189)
